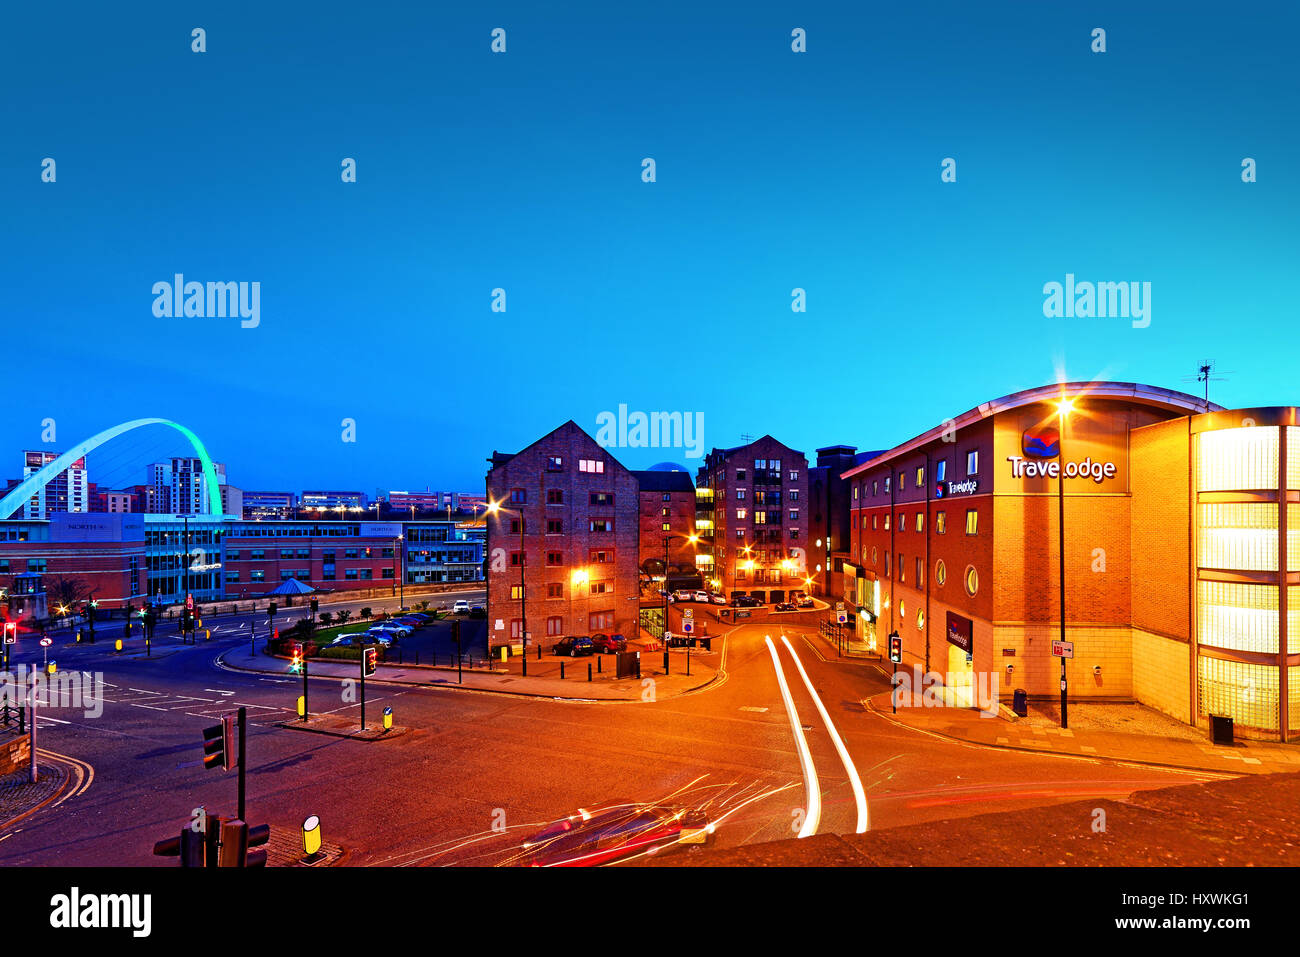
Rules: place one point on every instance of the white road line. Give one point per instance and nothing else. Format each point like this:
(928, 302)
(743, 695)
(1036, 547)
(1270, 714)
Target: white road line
(855, 782)
(813, 813)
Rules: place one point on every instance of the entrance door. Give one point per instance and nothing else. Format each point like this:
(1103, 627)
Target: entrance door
(960, 686)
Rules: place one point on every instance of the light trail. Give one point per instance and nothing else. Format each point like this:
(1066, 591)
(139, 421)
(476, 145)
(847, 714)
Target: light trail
(859, 796)
(813, 816)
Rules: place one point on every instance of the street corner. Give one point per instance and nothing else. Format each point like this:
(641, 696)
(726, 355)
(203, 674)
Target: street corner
(344, 728)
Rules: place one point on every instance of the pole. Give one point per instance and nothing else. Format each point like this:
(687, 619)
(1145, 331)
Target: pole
(31, 744)
(893, 684)
(1060, 521)
(523, 596)
(305, 709)
(243, 723)
(363, 690)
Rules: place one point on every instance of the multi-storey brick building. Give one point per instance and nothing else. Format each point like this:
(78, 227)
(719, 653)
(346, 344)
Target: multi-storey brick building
(567, 521)
(667, 526)
(1172, 535)
(754, 498)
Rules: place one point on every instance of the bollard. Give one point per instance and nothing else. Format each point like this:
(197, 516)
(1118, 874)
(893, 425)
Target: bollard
(665, 661)
(435, 658)
(600, 665)
(417, 657)
(561, 669)
(539, 652)
(588, 670)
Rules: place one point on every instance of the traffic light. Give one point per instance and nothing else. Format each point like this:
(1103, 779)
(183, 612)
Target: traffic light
(11, 632)
(235, 843)
(219, 744)
(189, 847)
(315, 605)
(455, 631)
(895, 647)
(369, 657)
(271, 609)
(295, 665)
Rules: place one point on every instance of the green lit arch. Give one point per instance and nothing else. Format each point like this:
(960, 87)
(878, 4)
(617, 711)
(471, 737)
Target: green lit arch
(15, 500)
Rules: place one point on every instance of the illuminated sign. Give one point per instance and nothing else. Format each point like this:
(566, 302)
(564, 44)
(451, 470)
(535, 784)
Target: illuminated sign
(959, 632)
(967, 487)
(1043, 442)
(1088, 468)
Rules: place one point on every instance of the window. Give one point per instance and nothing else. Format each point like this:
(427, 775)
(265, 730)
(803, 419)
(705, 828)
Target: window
(794, 534)
(873, 554)
(554, 463)
(902, 570)
(601, 556)
(304, 553)
(516, 592)
(555, 558)
(920, 475)
(518, 496)
(516, 527)
(902, 608)
(287, 553)
(667, 497)
(794, 515)
(886, 484)
(602, 525)
(554, 626)
(740, 494)
(347, 553)
(972, 580)
(516, 628)
(667, 527)
(389, 573)
(516, 559)
(740, 475)
(602, 498)
(856, 490)
(940, 470)
(665, 512)
(555, 526)
(257, 554)
(886, 564)
(920, 573)
(940, 572)
(555, 590)
(794, 475)
(873, 522)
(232, 555)
(794, 495)
(602, 587)
(596, 466)
(875, 486)
(600, 619)
(920, 521)
(740, 514)
(940, 522)
(887, 522)
(972, 462)
(554, 496)
(257, 575)
(232, 576)
(972, 521)
(920, 620)
(902, 480)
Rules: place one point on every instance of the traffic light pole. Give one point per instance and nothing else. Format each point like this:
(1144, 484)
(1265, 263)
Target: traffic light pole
(243, 754)
(363, 689)
(305, 709)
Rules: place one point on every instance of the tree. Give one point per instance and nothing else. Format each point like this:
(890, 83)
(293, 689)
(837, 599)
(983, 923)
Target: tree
(326, 617)
(365, 613)
(344, 615)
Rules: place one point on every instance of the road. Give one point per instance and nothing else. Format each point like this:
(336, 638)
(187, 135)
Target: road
(478, 772)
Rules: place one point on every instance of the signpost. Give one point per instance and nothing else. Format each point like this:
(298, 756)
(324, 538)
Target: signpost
(369, 657)
(1062, 649)
(45, 650)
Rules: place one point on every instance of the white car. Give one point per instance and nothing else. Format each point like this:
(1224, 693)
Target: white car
(683, 594)
(702, 596)
(401, 631)
(461, 607)
(716, 599)
(349, 638)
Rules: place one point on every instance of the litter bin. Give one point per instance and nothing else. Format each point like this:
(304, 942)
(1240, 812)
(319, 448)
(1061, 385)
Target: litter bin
(1019, 702)
(1221, 728)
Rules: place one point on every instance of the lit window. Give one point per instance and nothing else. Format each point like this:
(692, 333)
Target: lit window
(940, 572)
(941, 469)
(920, 475)
(972, 521)
(972, 462)
(940, 522)
(972, 580)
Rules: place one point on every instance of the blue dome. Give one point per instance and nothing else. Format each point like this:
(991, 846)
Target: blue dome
(667, 467)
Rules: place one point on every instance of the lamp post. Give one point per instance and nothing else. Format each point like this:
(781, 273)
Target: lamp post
(401, 570)
(1063, 410)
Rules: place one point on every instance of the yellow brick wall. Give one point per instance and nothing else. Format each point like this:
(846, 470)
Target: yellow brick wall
(1040, 674)
(1161, 677)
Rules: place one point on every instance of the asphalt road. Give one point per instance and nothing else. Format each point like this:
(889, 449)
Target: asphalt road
(478, 772)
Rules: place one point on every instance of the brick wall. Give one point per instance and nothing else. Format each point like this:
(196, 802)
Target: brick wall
(1161, 673)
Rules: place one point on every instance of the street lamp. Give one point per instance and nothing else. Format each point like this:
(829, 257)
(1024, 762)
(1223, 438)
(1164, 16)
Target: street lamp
(1063, 411)
(494, 508)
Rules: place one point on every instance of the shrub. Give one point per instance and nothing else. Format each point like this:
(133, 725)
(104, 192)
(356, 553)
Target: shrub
(326, 617)
(365, 613)
(344, 615)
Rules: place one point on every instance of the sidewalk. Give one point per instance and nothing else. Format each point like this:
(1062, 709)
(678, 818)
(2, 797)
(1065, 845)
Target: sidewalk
(971, 727)
(543, 680)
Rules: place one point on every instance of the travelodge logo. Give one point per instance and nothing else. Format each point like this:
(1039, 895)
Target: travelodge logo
(1043, 442)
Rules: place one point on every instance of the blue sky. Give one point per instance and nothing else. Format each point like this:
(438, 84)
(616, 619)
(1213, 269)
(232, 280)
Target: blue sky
(522, 170)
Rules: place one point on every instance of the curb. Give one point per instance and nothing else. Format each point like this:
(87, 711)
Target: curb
(871, 706)
(222, 663)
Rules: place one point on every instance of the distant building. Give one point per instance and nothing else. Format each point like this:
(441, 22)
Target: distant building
(568, 521)
(420, 501)
(66, 492)
(180, 486)
(667, 526)
(321, 502)
(268, 505)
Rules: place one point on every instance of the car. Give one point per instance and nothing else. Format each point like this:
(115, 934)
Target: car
(804, 601)
(477, 610)
(784, 606)
(615, 832)
(684, 594)
(573, 646)
(715, 598)
(608, 644)
(421, 616)
(390, 629)
(372, 639)
(410, 620)
(745, 601)
(461, 607)
(348, 639)
(702, 596)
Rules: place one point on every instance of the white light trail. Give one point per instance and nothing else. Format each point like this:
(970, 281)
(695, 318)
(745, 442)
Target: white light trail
(813, 812)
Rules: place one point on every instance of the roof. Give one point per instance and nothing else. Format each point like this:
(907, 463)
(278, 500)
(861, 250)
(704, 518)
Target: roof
(1149, 395)
(656, 481)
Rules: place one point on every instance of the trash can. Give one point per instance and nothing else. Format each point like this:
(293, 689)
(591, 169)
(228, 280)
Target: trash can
(1019, 702)
(1221, 729)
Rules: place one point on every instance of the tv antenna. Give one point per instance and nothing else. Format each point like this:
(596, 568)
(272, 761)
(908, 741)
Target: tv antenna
(746, 438)
(1206, 373)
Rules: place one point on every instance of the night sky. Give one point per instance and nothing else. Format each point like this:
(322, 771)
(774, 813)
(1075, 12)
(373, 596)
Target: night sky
(523, 171)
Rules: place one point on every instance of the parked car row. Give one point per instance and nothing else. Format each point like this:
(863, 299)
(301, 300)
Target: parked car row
(692, 595)
(597, 644)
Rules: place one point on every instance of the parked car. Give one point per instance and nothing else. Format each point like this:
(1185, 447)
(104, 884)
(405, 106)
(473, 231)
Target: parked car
(702, 596)
(784, 606)
(390, 629)
(745, 601)
(477, 611)
(573, 646)
(608, 644)
(615, 832)
(804, 601)
(461, 607)
(411, 620)
(684, 594)
(348, 639)
(421, 616)
(716, 598)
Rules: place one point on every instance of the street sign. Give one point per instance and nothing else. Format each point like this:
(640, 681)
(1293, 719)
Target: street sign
(1062, 649)
(839, 606)
(688, 626)
(688, 612)
(841, 617)
(46, 642)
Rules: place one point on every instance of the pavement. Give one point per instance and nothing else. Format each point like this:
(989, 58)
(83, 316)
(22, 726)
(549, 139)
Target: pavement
(1240, 822)
(19, 797)
(543, 680)
(972, 727)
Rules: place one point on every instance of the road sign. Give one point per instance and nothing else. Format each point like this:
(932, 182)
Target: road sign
(688, 626)
(46, 642)
(841, 617)
(1062, 649)
(688, 612)
(839, 606)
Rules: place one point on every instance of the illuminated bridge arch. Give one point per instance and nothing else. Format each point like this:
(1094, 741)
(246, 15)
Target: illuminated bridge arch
(17, 498)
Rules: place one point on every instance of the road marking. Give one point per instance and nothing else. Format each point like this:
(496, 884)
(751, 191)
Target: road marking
(813, 815)
(859, 795)
(220, 692)
(752, 708)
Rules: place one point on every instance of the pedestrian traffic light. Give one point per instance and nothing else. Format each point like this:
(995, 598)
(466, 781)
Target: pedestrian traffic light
(369, 657)
(11, 632)
(219, 744)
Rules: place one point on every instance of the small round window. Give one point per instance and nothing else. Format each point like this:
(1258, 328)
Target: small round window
(972, 580)
(920, 620)
(902, 609)
(940, 572)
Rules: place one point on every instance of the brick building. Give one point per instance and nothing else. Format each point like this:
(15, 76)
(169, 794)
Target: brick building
(667, 526)
(754, 499)
(1172, 537)
(568, 519)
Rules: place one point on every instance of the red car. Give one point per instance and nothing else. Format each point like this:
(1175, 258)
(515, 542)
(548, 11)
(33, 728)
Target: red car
(608, 644)
(613, 833)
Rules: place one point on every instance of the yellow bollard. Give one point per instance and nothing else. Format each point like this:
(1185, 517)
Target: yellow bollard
(78, 637)
(52, 667)
(503, 654)
(302, 706)
(311, 837)
(388, 719)
(207, 634)
(118, 645)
